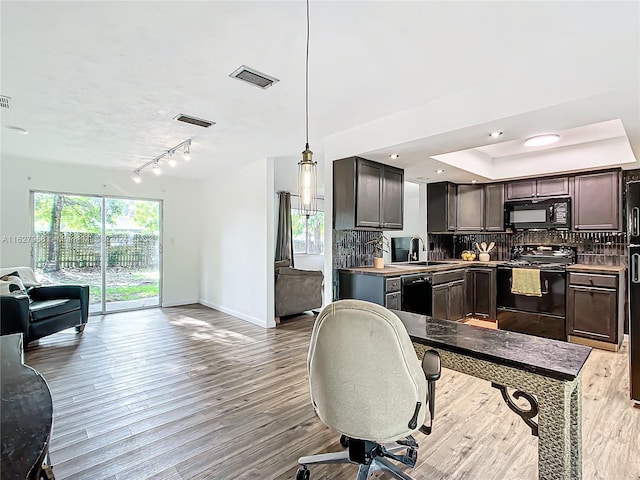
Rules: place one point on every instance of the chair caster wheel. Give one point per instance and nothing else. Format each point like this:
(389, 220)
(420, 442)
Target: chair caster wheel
(80, 328)
(344, 441)
(302, 473)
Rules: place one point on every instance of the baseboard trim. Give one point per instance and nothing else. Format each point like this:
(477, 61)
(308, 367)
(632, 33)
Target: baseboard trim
(180, 304)
(611, 347)
(242, 316)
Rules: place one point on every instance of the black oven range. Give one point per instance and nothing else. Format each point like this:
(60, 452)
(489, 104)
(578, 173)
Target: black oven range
(540, 312)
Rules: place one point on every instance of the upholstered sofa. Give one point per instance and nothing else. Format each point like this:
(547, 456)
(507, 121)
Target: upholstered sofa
(296, 290)
(42, 309)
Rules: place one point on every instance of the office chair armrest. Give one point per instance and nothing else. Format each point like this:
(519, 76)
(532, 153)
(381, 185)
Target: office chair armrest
(432, 366)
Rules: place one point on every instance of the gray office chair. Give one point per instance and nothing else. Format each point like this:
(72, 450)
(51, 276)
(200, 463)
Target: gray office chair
(367, 384)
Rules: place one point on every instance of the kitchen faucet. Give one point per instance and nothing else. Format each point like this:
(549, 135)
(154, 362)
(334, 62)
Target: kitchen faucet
(411, 252)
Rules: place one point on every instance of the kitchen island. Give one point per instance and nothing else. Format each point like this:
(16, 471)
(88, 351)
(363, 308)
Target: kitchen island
(546, 373)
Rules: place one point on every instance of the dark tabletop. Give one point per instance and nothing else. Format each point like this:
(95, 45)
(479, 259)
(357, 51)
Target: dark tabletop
(26, 412)
(550, 358)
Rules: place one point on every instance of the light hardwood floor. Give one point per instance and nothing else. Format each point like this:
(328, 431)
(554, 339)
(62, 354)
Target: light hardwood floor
(192, 393)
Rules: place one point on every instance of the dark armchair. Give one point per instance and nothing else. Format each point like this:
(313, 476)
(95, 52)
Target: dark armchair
(51, 309)
(296, 290)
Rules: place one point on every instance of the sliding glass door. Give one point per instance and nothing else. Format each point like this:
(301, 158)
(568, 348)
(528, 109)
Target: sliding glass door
(132, 254)
(111, 244)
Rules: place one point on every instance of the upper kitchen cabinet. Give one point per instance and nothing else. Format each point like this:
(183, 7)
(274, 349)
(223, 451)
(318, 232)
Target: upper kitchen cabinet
(597, 201)
(465, 208)
(470, 209)
(367, 195)
(545, 187)
(441, 207)
(392, 198)
(494, 207)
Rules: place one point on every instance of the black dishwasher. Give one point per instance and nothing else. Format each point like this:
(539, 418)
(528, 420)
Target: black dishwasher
(416, 293)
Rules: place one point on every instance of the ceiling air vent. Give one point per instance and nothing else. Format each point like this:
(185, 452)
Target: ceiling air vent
(193, 120)
(254, 77)
(4, 101)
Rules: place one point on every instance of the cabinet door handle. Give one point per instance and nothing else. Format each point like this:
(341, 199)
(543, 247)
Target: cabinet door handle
(635, 264)
(635, 215)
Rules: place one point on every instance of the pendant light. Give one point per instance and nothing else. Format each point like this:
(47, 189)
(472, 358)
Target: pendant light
(307, 172)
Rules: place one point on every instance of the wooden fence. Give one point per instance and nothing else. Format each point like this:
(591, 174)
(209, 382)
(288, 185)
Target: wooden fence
(80, 249)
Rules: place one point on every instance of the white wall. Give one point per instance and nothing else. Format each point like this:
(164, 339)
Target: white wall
(412, 226)
(180, 222)
(237, 242)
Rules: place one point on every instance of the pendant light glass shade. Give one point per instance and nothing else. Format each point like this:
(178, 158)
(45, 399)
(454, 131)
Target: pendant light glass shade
(307, 181)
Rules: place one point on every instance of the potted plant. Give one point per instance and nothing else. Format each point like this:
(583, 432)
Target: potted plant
(380, 245)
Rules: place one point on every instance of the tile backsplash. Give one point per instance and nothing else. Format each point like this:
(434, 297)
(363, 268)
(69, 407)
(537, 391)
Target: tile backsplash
(599, 248)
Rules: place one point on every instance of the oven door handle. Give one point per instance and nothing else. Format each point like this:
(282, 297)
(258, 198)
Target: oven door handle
(544, 292)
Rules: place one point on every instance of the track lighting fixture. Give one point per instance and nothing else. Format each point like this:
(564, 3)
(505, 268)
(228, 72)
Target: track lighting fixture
(168, 154)
(172, 162)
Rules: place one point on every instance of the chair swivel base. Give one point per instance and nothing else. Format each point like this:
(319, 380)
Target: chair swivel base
(370, 457)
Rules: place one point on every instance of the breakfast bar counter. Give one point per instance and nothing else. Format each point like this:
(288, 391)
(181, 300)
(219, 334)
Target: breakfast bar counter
(546, 373)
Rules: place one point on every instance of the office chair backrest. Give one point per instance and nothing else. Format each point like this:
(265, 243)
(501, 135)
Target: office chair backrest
(365, 378)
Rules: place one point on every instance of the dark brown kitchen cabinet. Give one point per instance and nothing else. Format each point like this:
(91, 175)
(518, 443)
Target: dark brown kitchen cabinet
(385, 291)
(545, 187)
(367, 195)
(494, 207)
(440, 301)
(481, 286)
(470, 208)
(448, 295)
(521, 189)
(441, 207)
(597, 201)
(392, 198)
(595, 310)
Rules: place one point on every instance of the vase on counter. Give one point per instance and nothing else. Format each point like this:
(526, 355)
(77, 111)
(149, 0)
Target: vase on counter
(378, 262)
(484, 257)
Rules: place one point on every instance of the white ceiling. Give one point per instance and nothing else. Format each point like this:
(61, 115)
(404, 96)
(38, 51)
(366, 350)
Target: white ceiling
(99, 82)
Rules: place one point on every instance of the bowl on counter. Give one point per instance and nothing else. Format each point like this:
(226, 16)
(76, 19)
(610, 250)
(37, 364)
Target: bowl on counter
(468, 255)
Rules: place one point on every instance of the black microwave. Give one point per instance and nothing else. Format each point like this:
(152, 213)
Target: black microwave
(546, 214)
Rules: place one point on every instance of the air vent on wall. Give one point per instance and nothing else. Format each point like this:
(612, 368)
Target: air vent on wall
(4, 101)
(193, 120)
(254, 77)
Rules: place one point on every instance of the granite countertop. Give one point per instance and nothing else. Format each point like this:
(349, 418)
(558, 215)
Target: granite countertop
(543, 356)
(581, 267)
(391, 270)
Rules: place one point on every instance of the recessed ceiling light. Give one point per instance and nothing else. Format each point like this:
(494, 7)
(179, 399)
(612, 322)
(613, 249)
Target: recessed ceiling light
(474, 181)
(540, 140)
(440, 171)
(21, 131)
(394, 156)
(495, 134)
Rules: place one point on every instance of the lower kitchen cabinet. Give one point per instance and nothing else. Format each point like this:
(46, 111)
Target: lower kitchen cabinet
(448, 295)
(481, 292)
(595, 310)
(385, 291)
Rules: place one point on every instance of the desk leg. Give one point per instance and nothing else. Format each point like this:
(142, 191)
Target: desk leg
(576, 430)
(554, 440)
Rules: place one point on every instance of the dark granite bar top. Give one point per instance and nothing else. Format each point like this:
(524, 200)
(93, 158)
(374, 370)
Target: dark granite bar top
(550, 358)
(26, 413)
